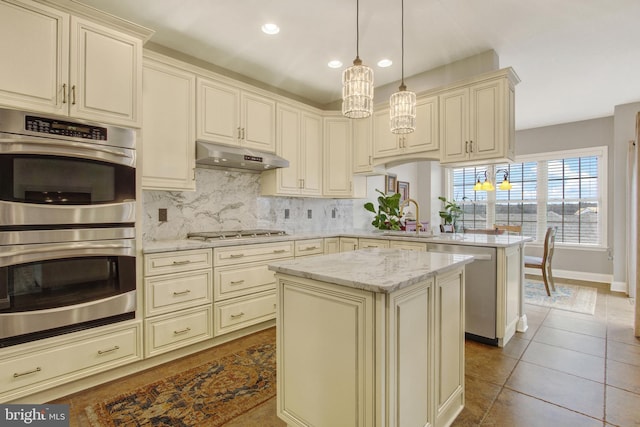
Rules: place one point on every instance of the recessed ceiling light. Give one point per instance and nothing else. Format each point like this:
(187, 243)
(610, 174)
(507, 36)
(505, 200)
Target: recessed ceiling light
(334, 64)
(270, 29)
(384, 63)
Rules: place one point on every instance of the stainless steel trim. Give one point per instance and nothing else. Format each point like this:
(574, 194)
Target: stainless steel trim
(12, 121)
(13, 324)
(20, 254)
(21, 144)
(216, 156)
(25, 237)
(16, 213)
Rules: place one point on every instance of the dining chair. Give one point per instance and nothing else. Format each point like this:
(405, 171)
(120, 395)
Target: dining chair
(544, 262)
(509, 228)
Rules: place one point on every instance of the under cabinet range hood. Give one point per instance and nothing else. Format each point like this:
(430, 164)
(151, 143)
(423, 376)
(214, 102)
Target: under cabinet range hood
(217, 156)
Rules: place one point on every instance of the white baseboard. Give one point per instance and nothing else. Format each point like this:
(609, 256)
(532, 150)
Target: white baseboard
(585, 276)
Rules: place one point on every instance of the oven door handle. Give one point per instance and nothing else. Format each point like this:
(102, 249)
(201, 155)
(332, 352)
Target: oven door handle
(20, 144)
(20, 254)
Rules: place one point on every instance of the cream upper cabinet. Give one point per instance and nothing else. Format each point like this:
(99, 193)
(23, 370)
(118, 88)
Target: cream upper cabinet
(168, 126)
(68, 65)
(362, 130)
(299, 140)
(337, 177)
(230, 115)
(423, 140)
(477, 121)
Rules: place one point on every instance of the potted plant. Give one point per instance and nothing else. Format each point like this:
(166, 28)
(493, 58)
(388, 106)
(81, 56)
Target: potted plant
(388, 212)
(450, 212)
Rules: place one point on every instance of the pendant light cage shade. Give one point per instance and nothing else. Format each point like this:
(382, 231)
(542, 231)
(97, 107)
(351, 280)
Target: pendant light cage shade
(357, 91)
(402, 112)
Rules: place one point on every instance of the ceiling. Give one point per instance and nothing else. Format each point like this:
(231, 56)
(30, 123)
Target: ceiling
(577, 59)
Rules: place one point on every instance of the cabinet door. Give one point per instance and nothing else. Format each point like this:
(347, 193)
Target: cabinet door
(425, 137)
(34, 45)
(258, 122)
(311, 150)
(454, 117)
(218, 112)
(331, 245)
(362, 130)
(288, 146)
(105, 74)
(449, 360)
(348, 244)
(168, 127)
(337, 157)
(384, 142)
(487, 119)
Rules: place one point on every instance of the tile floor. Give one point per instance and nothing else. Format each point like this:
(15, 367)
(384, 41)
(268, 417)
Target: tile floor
(568, 369)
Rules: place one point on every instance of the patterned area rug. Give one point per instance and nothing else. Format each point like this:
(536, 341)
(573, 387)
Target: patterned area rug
(208, 395)
(580, 299)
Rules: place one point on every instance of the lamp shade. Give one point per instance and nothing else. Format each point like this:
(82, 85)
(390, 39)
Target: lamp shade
(506, 185)
(402, 111)
(488, 186)
(357, 91)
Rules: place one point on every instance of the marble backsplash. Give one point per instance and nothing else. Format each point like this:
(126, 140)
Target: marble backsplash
(231, 200)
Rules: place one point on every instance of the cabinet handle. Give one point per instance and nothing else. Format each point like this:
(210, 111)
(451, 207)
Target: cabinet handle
(184, 331)
(21, 374)
(114, 348)
(466, 146)
(471, 146)
(235, 316)
(64, 93)
(279, 251)
(369, 160)
(73, 95)
(239, 134)
(242, 133)
(236, 282)
(185, 292)
(236, 255)
(181, 262)
(310, 248)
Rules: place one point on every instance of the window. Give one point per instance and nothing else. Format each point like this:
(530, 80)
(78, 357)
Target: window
(563, 190)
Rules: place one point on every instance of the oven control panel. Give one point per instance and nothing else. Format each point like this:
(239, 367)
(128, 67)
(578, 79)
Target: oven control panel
(63, 128)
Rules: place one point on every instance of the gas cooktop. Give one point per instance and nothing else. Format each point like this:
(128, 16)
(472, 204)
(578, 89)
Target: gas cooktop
(234, 234)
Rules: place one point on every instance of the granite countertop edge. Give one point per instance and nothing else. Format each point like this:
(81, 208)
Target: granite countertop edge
(169, 245)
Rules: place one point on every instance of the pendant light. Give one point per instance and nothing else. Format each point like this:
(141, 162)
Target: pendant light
(357, 84)
(402, 104)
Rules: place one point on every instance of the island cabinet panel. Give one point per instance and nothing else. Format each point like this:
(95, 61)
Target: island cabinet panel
(325, 339)
(510, 274)
(348, 356)
(449, 363)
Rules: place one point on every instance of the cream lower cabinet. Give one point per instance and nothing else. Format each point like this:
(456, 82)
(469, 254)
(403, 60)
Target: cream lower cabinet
(348, 244)
(331, 245)
(29, 368)
(168, 125)
(309, 247)
(178, 299)
(372, 243)
(510, 279)
(411, 246)
(244, 287)
(349, 357)
(67, 65)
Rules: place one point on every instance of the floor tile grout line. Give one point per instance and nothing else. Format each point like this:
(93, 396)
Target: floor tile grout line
(519, 359)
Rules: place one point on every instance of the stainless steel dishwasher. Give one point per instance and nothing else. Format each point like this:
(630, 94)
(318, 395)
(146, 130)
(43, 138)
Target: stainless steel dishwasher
(480, 290)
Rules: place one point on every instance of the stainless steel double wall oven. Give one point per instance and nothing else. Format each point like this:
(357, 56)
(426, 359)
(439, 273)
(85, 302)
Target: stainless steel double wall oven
(67, 225)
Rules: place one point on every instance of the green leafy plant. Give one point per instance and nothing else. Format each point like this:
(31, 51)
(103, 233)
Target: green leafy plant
(388, 212)
(451, 211)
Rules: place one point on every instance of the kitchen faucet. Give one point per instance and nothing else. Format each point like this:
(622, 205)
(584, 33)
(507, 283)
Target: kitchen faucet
(418, 223)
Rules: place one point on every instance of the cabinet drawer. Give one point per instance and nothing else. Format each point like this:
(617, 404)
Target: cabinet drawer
(175, 262)
(60, 362)
(309, 247)
(172, 292)
(249, 253)
(235, 281)
(168, 332)
(411, 246)
(372, 243)
(241, 312)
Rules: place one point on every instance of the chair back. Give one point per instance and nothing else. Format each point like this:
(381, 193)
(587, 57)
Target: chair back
(549, 243)
(509, 228)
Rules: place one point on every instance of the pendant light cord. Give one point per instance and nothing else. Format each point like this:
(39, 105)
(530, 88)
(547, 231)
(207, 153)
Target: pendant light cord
(402, 48)
(357, 28)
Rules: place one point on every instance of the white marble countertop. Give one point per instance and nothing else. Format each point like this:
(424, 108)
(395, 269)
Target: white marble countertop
(372, 269)
(485, 240)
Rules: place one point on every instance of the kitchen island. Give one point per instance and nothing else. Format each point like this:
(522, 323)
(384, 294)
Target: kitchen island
(373, 337)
